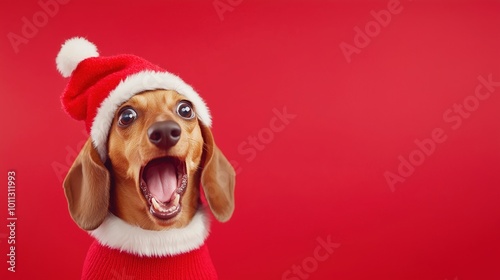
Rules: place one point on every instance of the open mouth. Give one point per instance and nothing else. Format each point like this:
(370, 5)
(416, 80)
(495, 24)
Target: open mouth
(163, 181)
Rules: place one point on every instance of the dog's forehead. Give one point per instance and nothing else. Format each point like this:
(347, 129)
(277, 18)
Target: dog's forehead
(152, 98)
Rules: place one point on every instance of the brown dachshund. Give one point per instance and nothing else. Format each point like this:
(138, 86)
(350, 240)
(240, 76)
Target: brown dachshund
(158, 155)
(135, 185)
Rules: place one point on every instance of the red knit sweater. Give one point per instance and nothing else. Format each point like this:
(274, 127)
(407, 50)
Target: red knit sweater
(103, 263)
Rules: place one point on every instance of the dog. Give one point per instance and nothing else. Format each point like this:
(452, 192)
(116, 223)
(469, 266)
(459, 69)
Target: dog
(139, 194)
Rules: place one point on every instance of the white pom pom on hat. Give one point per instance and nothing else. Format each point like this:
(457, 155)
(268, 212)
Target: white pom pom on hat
(72, 52)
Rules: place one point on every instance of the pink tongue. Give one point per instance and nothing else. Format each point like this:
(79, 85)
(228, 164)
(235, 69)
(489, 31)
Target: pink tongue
(161, 179)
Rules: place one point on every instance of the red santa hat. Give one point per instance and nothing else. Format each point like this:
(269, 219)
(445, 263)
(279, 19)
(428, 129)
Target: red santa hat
(99, 85)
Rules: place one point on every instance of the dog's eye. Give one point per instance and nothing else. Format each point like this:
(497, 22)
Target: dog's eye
(127, 116)
(185, 110)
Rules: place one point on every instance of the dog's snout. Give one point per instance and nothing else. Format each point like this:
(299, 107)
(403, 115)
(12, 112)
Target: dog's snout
(164, 134)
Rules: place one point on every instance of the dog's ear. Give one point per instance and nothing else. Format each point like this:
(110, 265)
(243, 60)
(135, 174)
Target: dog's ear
(87, 188)
(217, 178)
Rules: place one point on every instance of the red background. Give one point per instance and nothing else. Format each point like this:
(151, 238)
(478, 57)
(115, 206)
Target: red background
(323, 175)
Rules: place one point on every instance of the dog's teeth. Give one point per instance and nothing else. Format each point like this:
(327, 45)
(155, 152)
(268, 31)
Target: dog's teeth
(159, 207)
(177, 198)
(183, 185)
(156, 205)
(172, 209)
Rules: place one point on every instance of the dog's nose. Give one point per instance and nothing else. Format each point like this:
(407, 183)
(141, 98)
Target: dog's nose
(164, 134)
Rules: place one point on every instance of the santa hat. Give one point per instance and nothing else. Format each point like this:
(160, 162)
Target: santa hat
(99, 85)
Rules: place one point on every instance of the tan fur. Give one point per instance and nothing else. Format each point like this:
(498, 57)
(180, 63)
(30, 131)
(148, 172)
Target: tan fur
(130, 149)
